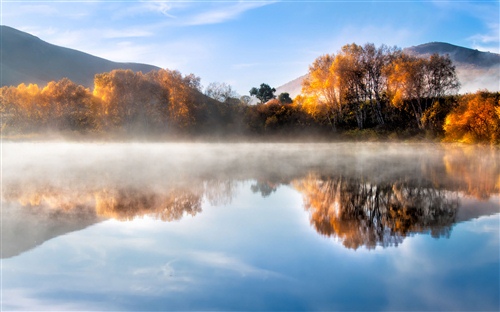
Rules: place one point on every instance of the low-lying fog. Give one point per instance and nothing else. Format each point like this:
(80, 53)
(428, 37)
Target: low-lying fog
(160, 165)
(84, 168)
(60, 187)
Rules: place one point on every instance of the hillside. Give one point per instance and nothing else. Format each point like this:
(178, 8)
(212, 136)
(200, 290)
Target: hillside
(28, 59)
(475, 69)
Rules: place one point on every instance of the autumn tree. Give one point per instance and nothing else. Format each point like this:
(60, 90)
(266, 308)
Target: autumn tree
(352, 82)
(441, 76)
(321, 93)
(407, 84)
(349, 73)
(475, 119)
(375, 61)
(21, 108)
(131, 101)
(69, 106)
(416, 82)
(181, 96)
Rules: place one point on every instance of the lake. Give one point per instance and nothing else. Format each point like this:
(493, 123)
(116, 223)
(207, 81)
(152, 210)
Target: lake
(212, 226)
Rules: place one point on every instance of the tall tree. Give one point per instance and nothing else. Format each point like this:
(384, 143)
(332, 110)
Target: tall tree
(320, 88)
(441, 76)
(407, 84)
(349, 72)
(375, 61)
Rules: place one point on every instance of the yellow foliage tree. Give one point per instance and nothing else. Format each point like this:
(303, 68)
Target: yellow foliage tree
(69, 106)
(320, 88)
(21, 108)
(475, 119)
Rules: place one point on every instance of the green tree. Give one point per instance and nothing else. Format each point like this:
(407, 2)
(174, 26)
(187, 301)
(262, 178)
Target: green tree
(285, 98)
(264, 93)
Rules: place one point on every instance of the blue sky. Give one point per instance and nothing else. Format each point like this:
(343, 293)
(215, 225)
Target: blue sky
(245, 43)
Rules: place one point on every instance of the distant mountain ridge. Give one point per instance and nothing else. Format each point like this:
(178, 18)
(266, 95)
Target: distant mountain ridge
(28, 59)
(461, 56)
(475, 69)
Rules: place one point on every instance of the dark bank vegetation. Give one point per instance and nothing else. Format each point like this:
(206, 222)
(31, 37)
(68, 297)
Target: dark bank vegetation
(360, 93)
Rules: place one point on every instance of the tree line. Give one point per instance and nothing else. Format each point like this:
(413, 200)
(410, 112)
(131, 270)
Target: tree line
(360, 90)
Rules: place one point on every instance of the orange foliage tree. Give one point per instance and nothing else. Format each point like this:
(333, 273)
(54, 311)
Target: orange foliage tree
(182, 95)
(475, 119)
(69, 106)
(320, 92)
(415, 82)
(21, 108)
(131, 101)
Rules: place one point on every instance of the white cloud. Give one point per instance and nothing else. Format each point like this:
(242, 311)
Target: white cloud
(186, 13)
(164, 7)
(223, 13)
(222, 261)
(488, 41)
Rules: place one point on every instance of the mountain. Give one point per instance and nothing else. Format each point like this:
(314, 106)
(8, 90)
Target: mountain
(461, 56)
(475, 69)
(28, 59)
(293, 87)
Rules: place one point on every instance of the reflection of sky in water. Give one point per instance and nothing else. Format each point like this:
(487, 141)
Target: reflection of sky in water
(253, 254)
(251, 227)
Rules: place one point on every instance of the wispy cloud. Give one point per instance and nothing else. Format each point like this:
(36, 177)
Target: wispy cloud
(489, 40)
(486, 14)
(222, 261)
(223, 12)
(164, 8)
(191, 13)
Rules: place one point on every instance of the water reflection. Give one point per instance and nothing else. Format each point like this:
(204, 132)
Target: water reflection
(360, 213)
(361, 194)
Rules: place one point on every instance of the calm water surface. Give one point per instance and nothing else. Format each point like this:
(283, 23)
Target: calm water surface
(359, 226)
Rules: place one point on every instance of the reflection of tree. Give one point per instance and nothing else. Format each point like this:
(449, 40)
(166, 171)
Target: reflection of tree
(55, 198)
(265, 188)
(477, 170)
(364, 214)
(118, 203)
(127, 204)
(219, 192)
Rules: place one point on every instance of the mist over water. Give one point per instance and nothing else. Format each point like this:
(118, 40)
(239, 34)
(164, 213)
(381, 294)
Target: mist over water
(170, 180)
(265, 212)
